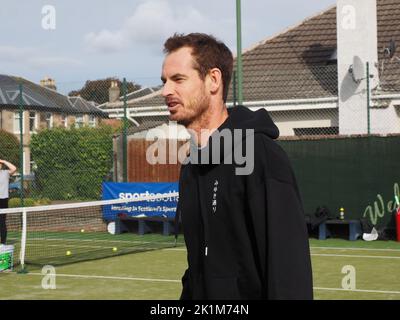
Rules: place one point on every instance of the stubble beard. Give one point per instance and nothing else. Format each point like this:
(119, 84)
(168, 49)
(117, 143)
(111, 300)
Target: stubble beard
(195, 113)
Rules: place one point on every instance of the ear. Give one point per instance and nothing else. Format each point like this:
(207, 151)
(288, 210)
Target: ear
(215, 80)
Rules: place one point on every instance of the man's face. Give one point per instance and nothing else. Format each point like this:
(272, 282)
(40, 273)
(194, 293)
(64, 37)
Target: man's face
(185, 93)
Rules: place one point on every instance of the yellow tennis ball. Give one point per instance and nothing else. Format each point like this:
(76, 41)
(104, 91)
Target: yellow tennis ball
(82, 230)
(68, 253)
(115, 249)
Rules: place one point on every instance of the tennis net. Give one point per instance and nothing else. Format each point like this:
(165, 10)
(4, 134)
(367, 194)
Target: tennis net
(67, 233)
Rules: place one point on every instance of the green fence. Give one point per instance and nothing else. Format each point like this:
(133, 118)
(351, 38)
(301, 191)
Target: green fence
(360, 174)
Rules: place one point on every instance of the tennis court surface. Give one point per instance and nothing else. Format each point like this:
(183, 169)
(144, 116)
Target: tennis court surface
(153, 272)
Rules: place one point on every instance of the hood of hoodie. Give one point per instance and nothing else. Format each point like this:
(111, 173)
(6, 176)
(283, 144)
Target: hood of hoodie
(241, 117)
(241, 123)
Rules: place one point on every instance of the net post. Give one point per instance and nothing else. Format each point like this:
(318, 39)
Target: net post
(23, 242)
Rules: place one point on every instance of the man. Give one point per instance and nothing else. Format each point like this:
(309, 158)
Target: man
(4, 183)
(245, 235)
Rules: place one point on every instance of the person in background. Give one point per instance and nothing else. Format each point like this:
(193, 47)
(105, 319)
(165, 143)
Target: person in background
(6, 170)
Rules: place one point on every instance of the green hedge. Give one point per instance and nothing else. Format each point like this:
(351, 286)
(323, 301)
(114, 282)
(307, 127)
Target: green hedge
(72, 163)
(9, 147)
(28, 202)
(16, 202)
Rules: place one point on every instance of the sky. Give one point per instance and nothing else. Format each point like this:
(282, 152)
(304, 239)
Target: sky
(74, 41)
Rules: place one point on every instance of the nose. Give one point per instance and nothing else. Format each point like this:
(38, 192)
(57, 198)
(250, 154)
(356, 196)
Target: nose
(167, 89)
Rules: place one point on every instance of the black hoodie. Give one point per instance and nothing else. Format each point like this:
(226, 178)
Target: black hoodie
(245, 235)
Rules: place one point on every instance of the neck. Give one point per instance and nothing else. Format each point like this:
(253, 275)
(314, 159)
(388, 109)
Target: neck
(207, 123)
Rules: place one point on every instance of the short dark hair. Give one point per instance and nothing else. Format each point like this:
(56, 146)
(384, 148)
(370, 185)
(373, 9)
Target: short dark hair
(208, 53)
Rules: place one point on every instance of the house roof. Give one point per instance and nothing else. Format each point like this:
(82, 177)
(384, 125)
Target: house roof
(388, 29)
(36, 97)
(80, 105)
(300, 63)
(138, 93)
(294, 64)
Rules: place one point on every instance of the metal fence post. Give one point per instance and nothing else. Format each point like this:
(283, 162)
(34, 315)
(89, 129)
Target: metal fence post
(239, 51)
(368, 101)
(124, 135)
(234, 89)
(21, 144)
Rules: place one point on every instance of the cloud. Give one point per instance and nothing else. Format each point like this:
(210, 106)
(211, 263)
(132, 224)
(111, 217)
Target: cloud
(15, 54)
(150, 24)
(40, 62)
(156, 20)
(105, 41)
(34, 58)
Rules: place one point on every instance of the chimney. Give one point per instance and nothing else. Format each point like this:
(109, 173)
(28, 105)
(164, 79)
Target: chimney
(113, 92)
(48, 83)
(357, 44)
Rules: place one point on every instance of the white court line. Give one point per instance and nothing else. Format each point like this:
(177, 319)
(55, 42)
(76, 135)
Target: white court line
(179, 281)
(316, 254)
(105, 277)
(145, 242)
(73, 246)
(319, 254)
(98, 240)
(357, 290)
(353, 256)
(365, 249)
(92, 240)
(66, 245)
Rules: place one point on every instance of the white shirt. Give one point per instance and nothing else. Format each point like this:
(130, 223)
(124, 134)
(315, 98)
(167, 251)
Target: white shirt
(4, 183)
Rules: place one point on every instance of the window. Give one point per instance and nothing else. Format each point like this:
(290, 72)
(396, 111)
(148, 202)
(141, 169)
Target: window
(79, 121)
(49, 120)
(32, 121)
(64, 121)
(17, 129)
(92, 121)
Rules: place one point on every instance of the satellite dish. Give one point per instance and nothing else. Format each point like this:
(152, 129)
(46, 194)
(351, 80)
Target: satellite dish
(357, 70)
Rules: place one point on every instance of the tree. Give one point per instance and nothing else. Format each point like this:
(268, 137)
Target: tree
(72, 164)
(9, 147)
(97, 90)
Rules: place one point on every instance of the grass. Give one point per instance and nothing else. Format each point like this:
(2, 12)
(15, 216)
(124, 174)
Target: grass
(124, 277)
(376, 266)
(59, 248)
(156, 274)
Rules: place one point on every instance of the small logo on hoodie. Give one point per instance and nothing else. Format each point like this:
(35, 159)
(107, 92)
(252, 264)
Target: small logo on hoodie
(214, 199)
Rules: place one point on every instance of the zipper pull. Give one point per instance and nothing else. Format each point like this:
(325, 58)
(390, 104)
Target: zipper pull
(206, 251)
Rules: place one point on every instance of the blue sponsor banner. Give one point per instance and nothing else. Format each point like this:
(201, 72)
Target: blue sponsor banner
(165, 207)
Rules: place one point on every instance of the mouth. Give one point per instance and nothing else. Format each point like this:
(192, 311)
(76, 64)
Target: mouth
(173, 105)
